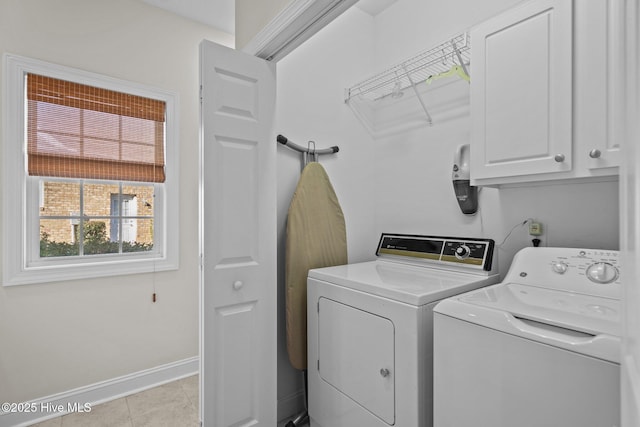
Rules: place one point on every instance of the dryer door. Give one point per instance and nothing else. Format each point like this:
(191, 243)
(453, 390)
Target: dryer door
(356, 356)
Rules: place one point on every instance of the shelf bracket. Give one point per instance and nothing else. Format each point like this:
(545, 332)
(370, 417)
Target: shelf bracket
(417, 92)
(457, 52)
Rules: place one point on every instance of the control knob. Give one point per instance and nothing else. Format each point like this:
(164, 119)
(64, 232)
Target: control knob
(463, 252)
(560, 267)
(602, 272)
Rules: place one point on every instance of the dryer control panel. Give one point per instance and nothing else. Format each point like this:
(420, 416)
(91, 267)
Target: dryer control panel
(469, 253)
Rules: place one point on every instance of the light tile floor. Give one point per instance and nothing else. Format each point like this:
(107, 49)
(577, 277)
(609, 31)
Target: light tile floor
(173, 404)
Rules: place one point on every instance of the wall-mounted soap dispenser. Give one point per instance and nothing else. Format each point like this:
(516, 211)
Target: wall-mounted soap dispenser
(466, 194)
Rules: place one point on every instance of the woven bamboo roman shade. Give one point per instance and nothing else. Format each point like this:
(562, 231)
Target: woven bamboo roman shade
(80, 131)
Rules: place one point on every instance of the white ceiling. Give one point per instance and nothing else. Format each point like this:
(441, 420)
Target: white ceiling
(373, 7)
(221, 13)
(215, 13)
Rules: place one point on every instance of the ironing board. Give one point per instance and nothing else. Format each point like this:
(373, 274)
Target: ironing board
(316, 237)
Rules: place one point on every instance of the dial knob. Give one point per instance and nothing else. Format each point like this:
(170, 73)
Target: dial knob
(559, 267)
(463, 252)
(602, 272)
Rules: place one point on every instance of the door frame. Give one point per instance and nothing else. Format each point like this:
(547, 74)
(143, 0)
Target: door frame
(630, 225)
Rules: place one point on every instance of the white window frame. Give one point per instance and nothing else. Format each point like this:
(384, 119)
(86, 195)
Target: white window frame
(20, 193)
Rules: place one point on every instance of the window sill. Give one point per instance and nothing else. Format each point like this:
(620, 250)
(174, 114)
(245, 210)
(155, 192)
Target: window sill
(87, 270)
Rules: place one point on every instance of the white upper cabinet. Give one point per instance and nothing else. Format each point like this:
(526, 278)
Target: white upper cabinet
(521, 91)
(599, 82)
(545, 93)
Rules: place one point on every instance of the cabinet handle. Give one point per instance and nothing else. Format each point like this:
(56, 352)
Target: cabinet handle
(237, 285)
(559, 158)
(595, 153)
(384, 372)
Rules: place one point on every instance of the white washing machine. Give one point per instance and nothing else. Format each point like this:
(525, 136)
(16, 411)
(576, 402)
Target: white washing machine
(542, 348)
(370, 328)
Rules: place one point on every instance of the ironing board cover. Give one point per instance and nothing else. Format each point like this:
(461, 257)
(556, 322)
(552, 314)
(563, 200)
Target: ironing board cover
(316, 237)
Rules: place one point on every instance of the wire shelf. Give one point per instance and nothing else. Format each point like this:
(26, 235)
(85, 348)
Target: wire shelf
(413, 71)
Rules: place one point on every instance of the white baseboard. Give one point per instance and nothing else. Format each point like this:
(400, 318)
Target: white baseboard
(94, 394)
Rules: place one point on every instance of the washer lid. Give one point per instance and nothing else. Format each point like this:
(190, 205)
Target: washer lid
(406, 283)
(585, 313)
(577, 322)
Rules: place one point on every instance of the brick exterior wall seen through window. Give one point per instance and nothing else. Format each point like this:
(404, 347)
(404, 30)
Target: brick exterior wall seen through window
(62, 199)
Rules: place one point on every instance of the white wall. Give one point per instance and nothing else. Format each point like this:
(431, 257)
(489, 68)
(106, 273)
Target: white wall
(59, 336)
(417, 196)
(410, 26)
(402, 183)
(310, 106)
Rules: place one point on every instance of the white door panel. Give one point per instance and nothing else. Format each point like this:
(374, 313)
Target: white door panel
(521, 91)
(609, 129)
(599, 83)
(356, 356)
(630, 222)
(238, 239)
(235, 203)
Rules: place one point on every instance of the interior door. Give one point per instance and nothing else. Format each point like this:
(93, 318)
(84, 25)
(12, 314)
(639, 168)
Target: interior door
(238, 239)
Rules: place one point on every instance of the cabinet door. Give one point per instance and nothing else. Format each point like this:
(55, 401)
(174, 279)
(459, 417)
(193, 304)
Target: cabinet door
(521, 88)
(599, 82)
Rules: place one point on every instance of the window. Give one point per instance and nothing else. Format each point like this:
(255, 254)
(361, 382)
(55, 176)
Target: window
(81, 218)
(96, 158)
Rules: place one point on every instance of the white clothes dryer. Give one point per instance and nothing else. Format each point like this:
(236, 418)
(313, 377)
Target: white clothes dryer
(370, 328)
(542, 348)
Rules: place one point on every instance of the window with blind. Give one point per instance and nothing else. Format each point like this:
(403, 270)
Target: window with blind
(96, 156)
(80, 131)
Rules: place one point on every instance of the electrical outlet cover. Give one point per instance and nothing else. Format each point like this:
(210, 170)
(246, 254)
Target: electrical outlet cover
(535, 229)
